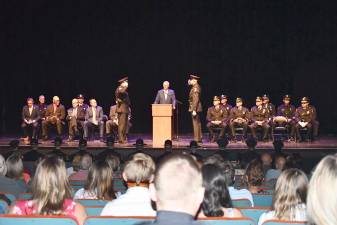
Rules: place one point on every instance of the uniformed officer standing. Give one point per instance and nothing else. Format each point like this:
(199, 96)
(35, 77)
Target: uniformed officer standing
(304, 116)
(195, 106)
(239, 117)
(122, 109)
(285, 116)
(259, 118)
(216, 118)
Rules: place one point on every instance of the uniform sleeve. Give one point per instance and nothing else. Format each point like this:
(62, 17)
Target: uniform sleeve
(195, 99)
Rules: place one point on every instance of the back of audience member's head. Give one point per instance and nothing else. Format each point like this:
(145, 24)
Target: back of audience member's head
(280, 161)
(76, 162)
(226, 167)
(290, 191)
(3, 167)
(139, 169)
(216, 195)
(322, 200)
(255, 173)
(178, 184)
(114, 161)
(251, 143)
(14, 166)
(100, 180)
(86, 161)
(50, 186)
(267, 159)
(278, 145)
(293, 161)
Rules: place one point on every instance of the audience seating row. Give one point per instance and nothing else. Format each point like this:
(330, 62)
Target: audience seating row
(108, 220)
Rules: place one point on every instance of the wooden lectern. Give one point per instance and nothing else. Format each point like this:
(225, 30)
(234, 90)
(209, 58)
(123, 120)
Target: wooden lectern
(162, 124)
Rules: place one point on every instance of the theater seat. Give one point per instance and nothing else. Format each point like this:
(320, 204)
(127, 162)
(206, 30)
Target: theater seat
(25, 196)
(116, 220)
(283, 222)
(242, 202)
(9, 195)
(227, 221)
(254, 213)
(40, 220)
(263, 200)
(93, 210)
(91, 202)
(3, 207)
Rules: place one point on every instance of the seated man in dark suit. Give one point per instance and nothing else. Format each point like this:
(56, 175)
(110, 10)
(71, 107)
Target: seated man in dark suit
(55, 115)
(166, 95)
(94, 118)
(75, 116)
(111, 125)
(30, 119)
(177, 190)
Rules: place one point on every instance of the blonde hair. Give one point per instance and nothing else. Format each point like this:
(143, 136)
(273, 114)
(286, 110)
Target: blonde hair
(290, 191)
(178, 178)
(50, 186)
(139, 169)
(100, 180)
(322, 200)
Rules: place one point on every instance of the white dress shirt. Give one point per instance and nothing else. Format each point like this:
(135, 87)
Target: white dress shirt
(135, 202)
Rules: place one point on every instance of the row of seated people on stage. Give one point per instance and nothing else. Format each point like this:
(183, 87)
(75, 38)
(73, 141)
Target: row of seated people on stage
(264, 116)
(81, 118)
(177, 188)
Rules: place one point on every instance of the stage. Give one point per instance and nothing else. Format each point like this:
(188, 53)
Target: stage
(324, 143)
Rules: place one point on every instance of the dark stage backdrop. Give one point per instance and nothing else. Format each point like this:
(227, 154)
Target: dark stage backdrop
(239, 48)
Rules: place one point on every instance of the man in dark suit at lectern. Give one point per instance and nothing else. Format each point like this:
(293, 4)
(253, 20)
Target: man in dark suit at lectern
(166, 95)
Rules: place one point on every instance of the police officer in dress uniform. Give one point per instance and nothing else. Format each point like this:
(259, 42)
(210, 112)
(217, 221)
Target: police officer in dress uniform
(122, 109)
(216, 118)
(195, 106)
(270, 108)
(82, 110)
(239, 117)
(259, 118)
(224, 103)
(304, 117)
(285, 116)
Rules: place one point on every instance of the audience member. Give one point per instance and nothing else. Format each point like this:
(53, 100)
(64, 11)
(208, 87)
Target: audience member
(138, 173)
(51, 193)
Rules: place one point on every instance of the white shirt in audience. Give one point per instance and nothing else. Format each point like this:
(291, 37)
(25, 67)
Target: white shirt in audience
(83, 194)
(242, 193)
(135, 202)
(299, 214)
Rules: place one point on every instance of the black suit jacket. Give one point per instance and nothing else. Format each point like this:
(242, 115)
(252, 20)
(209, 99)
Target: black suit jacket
(35, 113)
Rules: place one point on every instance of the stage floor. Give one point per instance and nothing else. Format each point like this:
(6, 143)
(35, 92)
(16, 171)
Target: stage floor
(324, 142)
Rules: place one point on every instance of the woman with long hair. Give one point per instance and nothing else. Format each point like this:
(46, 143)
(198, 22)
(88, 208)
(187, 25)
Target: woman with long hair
(289, 202)
(99, 184)
(217, 201)
(322, 199)
(51, 193)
